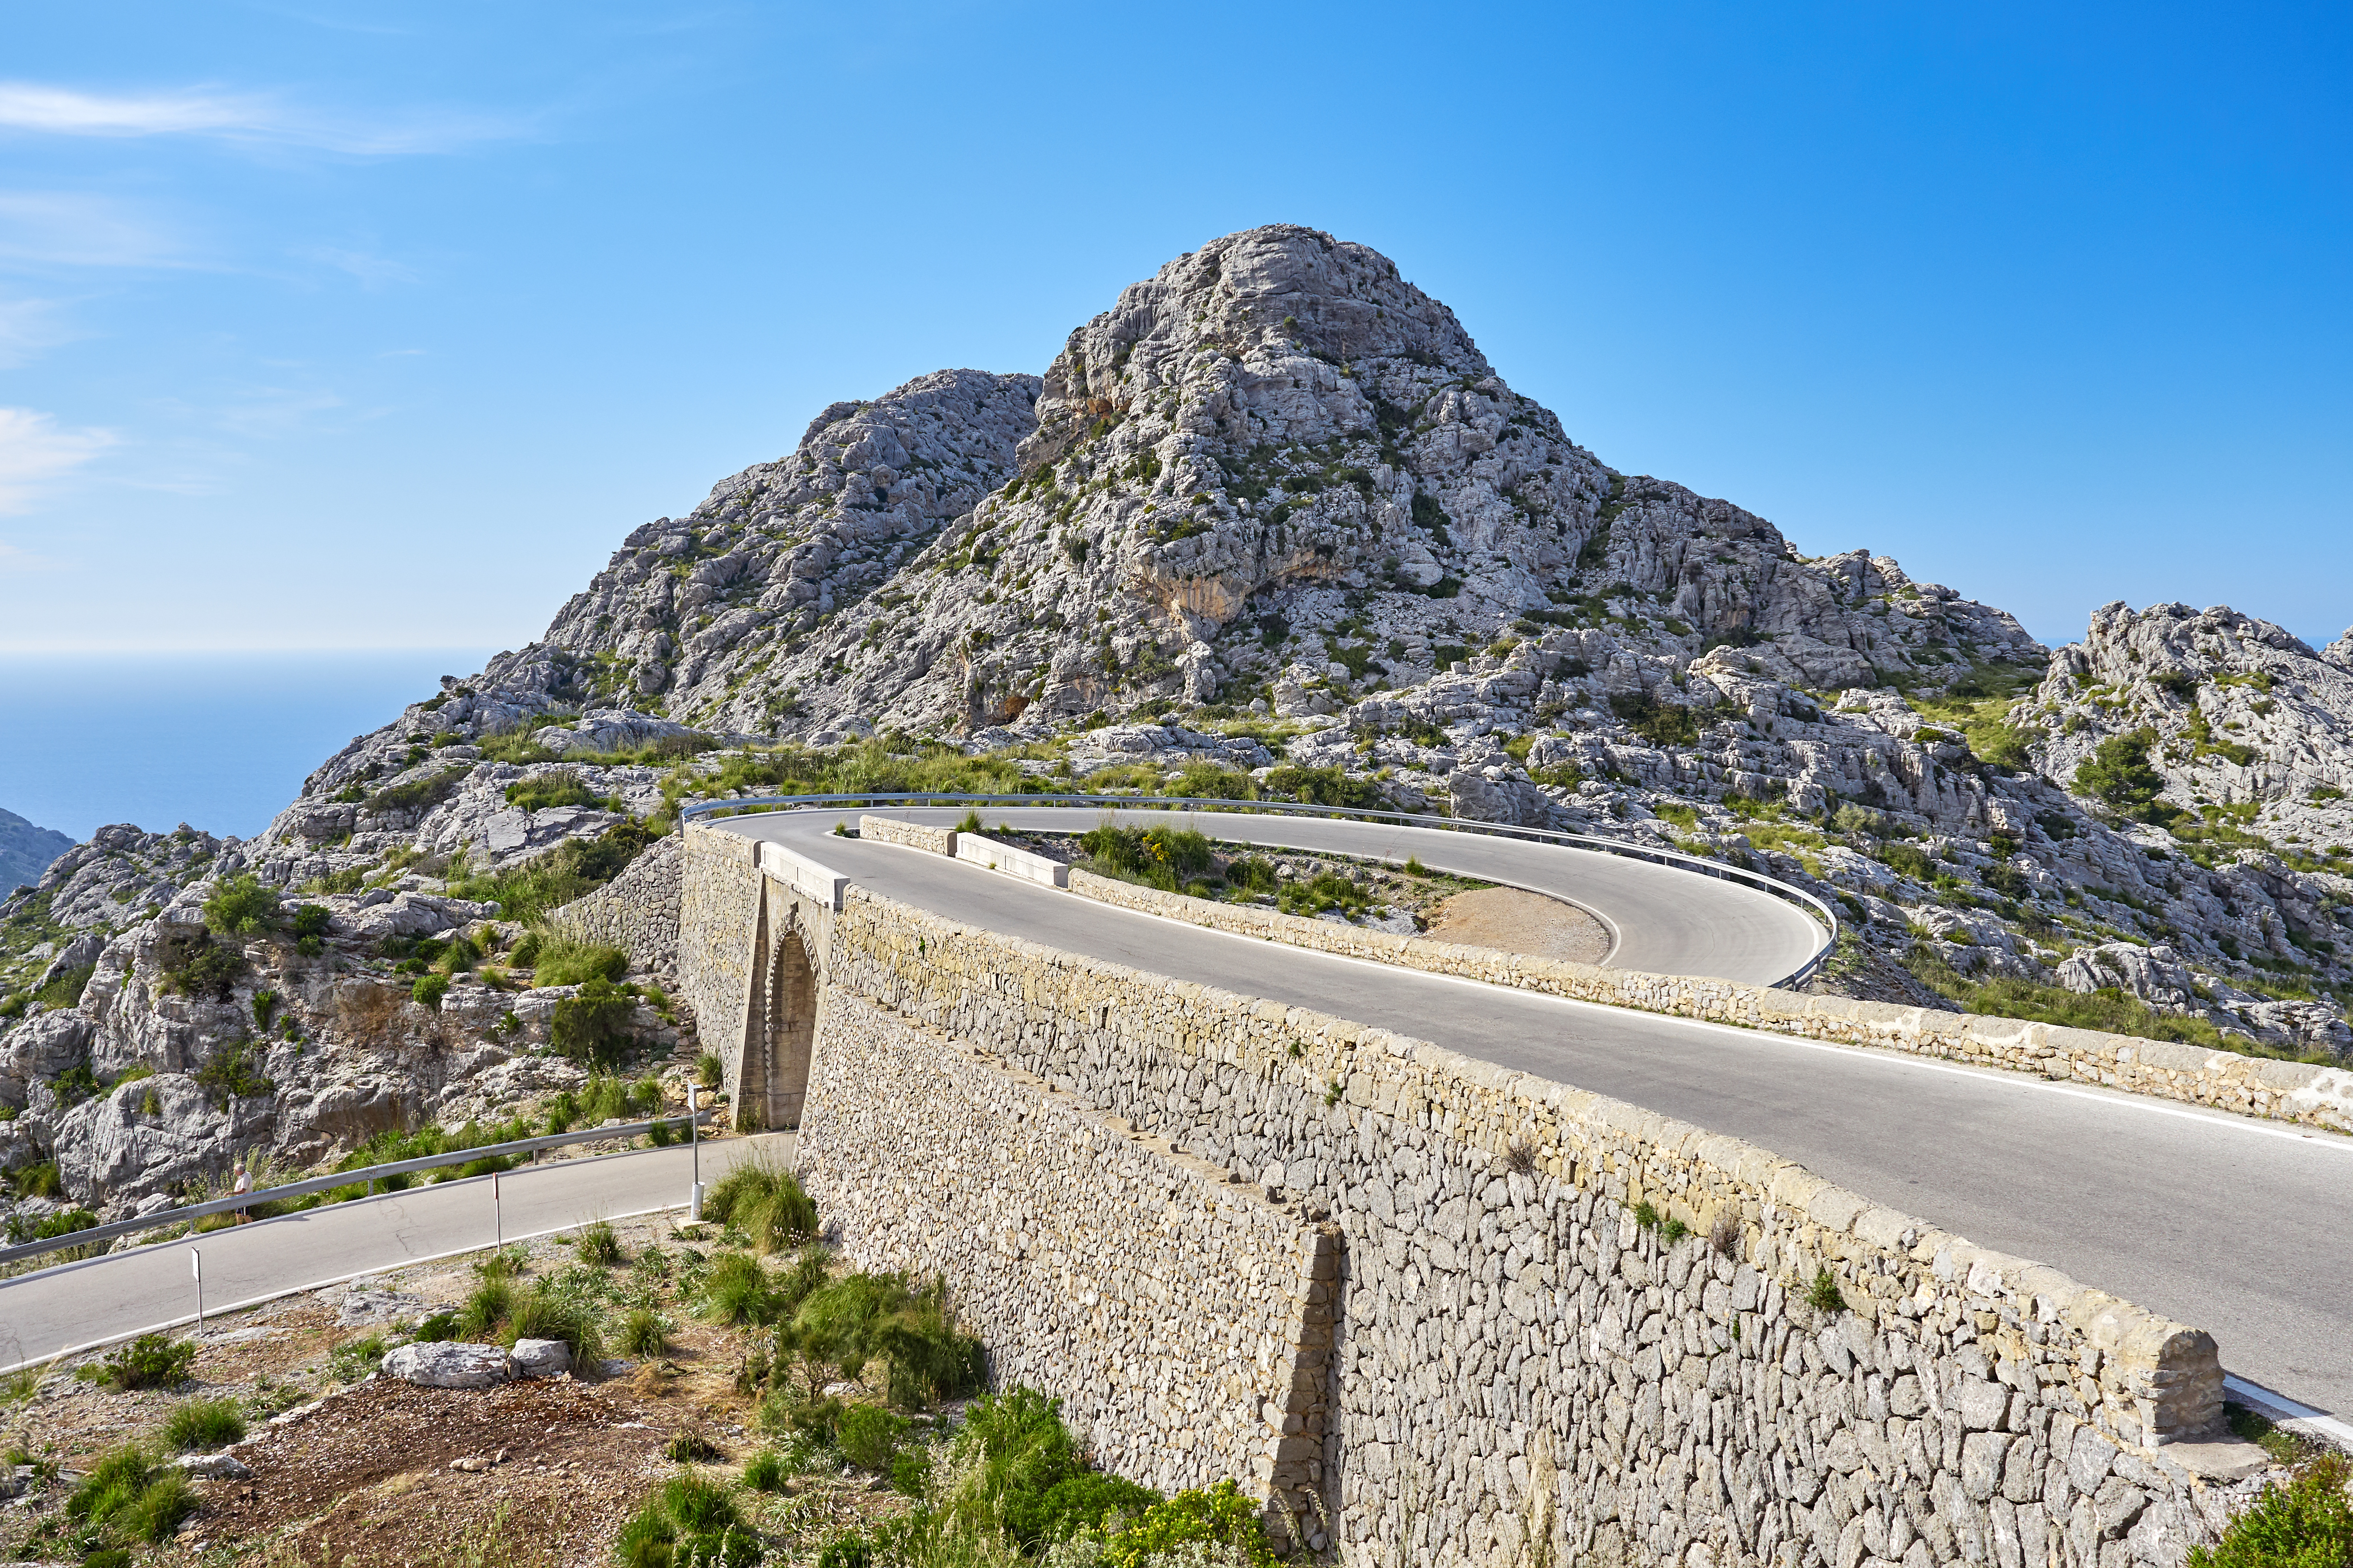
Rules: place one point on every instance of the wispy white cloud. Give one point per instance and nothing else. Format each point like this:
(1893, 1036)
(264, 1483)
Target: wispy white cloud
(35, 449)
(250, 119)
(69, 229)
(373, 271)
(27, 326)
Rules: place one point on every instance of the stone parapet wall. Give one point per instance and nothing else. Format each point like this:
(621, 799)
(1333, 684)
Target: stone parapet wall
(719, 909)
(910, 835)
(1184, 1319)
(638, 911)
(1519, 1358)
(2225, 1080)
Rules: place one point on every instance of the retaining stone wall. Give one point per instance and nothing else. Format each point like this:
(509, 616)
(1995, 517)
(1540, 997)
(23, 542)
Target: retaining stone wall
(2253, 1086)
(638, 911)
(1517, 1360)
(719, 903)
(1184, 1319)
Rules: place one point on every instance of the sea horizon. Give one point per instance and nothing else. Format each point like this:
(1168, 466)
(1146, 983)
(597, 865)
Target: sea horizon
(220, 741)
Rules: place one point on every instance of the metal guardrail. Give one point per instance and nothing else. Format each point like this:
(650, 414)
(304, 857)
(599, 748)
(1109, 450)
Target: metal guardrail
(1671, 857)
(189, 1212)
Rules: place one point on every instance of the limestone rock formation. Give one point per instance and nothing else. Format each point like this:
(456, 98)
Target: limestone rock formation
(1270, 522)
(26, 851)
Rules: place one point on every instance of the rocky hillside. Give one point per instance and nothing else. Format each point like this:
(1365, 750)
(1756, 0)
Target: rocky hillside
(26, 851)
(1269, 525)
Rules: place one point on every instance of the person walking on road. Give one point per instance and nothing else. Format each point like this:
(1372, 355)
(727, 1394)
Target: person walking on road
(243, 1185)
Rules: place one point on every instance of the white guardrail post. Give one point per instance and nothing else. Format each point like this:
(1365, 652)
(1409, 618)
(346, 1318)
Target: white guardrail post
(828, 885)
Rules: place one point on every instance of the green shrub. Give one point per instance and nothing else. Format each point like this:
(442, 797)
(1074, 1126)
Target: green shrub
(150, 1361)
(599, 1245)
(311, 922)
(1329, 890)
(1909, 861)
(592, 1025)
(709, 1071)
(2306, 1522)
(642, 1332)
(766, 1202)
(911, 1472)
(736, 1291)
(1011, 1446)
(65, 991)
(429, 991)
(229, 1074)
(130, 1492)
(1324, 786)
(487, 1309)
(1160, 857)
(205, 1424)
(869, 1435)
(692, 1520)
(196, 965)
(438, 1329)
(1086, 1502)
(1823, 1294)
(525, 952)
(241, 906)
(545, 882)
(2119, 775)
(1220, 1516)
(547, 1312)
(537, 792)
(562, 960)
(355, 1358)
(765, 1471)
(418, 796)
(1660, 723)
(862, 1317)
(40, 1181)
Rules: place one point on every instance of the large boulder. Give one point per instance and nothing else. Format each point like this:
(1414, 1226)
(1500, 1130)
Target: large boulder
(450, 1365)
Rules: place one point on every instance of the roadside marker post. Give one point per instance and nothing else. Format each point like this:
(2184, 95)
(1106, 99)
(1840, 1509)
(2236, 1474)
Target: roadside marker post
(694, 1132)
(197, 1267)
(498, 1215)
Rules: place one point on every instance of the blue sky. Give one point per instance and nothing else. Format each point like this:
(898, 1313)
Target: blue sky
(378, 326)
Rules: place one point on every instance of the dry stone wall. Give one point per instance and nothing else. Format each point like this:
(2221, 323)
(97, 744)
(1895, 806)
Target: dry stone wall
(638, 911)
(719, 911)
(1520, 1363)
(1184, 1318)
(2253, 1086)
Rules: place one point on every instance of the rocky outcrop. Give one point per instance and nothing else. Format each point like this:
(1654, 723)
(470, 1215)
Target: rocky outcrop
(26, 851)
(1272, 513)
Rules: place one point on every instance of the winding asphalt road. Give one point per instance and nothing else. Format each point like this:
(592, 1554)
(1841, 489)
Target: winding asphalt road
(101, 1300)
(2243, 1228)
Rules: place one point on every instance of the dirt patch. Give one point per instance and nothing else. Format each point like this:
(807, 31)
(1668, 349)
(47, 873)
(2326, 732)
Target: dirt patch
(1512, 919)
(368, 1476)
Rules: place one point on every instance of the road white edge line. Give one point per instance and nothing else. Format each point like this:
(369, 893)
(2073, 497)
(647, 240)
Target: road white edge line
(2289, 1413)
(315, 1285)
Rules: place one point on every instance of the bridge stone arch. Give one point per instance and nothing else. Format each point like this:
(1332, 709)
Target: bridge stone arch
(768, 1071)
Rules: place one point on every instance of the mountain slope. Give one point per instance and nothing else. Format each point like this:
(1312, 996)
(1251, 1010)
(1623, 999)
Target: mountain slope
(1269, 525)
(26, 851)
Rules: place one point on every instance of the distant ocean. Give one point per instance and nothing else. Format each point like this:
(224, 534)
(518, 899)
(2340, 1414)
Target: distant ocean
(221, 741)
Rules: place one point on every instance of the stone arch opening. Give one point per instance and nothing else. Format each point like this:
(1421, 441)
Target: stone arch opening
(772, 1069)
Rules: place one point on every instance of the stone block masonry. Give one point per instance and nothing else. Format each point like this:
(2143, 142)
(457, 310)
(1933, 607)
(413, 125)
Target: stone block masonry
(1562, 1324)
(2193, 1075)
(637, 912)
(908, 835)
(1184, 1318)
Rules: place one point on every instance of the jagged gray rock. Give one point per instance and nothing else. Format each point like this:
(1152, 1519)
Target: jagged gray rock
(27, 851)
(1272, 513)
